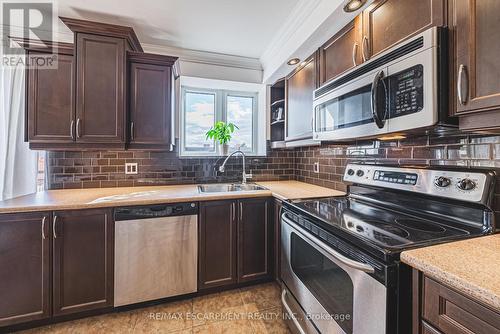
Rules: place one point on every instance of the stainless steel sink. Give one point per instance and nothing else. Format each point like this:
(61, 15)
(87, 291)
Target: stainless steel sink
(227, 187)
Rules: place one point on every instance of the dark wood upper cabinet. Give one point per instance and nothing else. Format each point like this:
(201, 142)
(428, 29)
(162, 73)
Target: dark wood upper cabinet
(151, 100)
(50, 99)
(25, 267)
(100, 89)
(342, 52)
(476, 29)
(217, 244)
(82, 260)
(386, 22)
(299, 88)
(255, 231)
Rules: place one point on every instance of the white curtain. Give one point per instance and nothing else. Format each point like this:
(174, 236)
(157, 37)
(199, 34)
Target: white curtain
(18, 165)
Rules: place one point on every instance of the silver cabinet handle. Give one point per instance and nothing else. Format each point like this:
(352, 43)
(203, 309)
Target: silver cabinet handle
(71, 130)
(364, 48)
(241, 211)
(462, 72)
(234, 210)
(131, 130)
(54, 221)
(342, 258)
(289, 311)
(354, 53)
(78, 128)
(43, 228)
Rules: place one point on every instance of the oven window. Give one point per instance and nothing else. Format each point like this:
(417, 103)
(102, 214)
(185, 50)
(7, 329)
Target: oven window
(329, 283)
(345, 111)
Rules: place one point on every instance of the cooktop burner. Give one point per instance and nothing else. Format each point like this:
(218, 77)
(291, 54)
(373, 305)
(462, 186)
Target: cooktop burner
(421, 225)
(386, 228)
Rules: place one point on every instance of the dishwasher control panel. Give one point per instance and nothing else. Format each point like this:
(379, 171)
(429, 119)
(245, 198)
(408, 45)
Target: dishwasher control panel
(156, 211)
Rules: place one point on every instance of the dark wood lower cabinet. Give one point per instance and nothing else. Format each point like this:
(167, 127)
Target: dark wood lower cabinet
(235, 242)
(255, 230)
(277, 239)
(24, 267)
(440, 309)
(83, 260)
(217, 244)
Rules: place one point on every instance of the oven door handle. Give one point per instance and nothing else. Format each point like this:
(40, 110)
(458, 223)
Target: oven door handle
(289, 310)
(342, 258)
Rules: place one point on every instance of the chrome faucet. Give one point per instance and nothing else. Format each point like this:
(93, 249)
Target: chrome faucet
(245, 175)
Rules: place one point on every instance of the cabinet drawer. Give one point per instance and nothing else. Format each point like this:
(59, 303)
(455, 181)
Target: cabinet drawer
(452, 312)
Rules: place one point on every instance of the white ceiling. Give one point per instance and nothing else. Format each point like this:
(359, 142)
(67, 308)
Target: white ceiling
(235, 27)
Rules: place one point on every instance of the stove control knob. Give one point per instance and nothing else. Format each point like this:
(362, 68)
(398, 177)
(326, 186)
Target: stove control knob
(350, 172)
(442, 182)
(466, 184)
(360, 173)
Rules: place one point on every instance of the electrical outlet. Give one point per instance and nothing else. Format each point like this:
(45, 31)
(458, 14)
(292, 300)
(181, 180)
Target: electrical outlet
(131, 168)
(316, 167)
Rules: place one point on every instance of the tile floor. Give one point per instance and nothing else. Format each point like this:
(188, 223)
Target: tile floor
(252, 310)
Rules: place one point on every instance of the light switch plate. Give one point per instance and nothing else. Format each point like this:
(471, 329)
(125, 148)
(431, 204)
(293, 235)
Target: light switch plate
(131, 168)
(316, 167)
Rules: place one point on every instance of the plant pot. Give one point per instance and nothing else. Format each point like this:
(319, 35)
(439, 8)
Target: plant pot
(224, 149)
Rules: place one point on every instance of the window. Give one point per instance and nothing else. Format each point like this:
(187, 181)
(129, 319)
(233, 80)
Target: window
(201, 108)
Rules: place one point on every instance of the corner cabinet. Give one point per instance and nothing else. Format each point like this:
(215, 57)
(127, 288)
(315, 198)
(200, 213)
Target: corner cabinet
(83, 260)
(25, 267)
(151, 100)
(235, 242)
(476, 28)
(299, 88)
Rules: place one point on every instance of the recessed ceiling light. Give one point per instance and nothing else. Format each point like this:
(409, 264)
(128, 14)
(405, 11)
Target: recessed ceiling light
(353, 5)
(293, 61)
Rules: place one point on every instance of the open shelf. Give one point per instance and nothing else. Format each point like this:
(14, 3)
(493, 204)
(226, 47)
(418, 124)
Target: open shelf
(277, 103)
(280, 121)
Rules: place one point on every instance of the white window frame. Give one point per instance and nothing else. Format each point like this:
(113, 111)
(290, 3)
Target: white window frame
(220, 115)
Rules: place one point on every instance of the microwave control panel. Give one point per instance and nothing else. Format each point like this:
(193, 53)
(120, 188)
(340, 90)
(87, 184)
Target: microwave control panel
(407, 89)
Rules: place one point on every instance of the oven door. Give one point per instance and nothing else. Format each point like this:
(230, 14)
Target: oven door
(357, 109)
(337, 293)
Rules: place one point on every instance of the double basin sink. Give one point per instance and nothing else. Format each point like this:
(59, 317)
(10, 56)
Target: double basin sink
(228, 187)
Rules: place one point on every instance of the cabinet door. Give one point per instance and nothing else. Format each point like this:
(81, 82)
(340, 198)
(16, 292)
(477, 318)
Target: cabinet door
(51, 102)
(254, 240)
(150, 106)
(25, 265)
(452, 312)
(299, 88)
(100, 89)
(386, 22)
(342, 52)
(217, 251)
(83, 260)
(477, 68)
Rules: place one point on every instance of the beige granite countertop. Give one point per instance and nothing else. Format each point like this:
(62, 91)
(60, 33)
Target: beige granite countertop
(471, 266)
(288, 190)
(70, 199)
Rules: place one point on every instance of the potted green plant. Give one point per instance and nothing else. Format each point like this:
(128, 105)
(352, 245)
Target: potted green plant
(221, 132)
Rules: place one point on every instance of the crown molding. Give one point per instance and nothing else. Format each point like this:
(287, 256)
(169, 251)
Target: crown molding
(205, 57)
(294, 22)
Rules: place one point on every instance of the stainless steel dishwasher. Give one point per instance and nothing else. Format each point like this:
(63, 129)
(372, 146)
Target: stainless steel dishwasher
(156, 252)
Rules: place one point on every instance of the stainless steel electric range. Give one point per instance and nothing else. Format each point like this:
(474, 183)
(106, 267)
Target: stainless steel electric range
(340, 263)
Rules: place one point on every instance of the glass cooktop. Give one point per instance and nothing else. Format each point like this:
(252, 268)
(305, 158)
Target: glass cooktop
(384, 227)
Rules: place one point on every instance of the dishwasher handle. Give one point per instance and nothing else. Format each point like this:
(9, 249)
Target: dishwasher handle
(156, 211)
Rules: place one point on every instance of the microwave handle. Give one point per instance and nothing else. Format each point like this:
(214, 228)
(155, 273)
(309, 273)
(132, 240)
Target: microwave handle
(374, 100)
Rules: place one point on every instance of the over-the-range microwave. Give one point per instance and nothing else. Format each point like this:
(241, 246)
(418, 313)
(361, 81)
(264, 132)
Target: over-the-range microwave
(403, 90)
